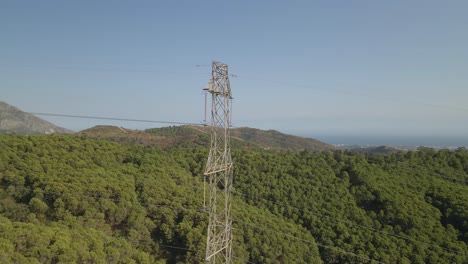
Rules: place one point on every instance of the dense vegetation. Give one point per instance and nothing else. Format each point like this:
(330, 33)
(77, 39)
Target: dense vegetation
(199, 136)
(65, 199)
(243, 137)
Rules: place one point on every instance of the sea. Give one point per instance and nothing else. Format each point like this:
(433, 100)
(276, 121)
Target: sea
(396, 141)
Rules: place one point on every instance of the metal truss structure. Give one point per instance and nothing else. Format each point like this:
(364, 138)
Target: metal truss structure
(218, 170)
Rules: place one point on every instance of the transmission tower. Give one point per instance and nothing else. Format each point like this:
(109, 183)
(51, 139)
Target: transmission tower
(218, 170)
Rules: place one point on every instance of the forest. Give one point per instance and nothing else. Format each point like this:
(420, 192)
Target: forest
(73, 199)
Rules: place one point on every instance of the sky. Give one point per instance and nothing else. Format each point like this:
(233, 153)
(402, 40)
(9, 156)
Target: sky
(310, 68)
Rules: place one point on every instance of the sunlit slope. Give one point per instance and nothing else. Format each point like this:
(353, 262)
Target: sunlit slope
(13, 120)
(245, 138)
(77, 199)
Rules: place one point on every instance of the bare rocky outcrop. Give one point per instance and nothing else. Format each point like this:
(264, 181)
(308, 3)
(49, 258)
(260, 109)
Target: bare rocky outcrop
(13, 120)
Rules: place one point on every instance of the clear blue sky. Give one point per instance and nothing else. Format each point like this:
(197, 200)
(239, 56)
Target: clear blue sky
(304, 67)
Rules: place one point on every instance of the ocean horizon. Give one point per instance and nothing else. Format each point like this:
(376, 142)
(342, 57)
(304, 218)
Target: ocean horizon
(408, 141)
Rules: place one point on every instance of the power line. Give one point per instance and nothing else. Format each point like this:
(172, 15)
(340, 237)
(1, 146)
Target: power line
(122, 119)
(97, 68)
(195, 210)
(185, 208)
(118, 119)
(309, 241)
(350, 93)
(272, 81)
(351, 222)
(277, 203)
(454, 180)
(290, 206)
(412, 168)
(193, 250)
(181, 248)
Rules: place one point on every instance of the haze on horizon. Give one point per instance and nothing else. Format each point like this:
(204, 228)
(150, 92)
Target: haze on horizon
(309, 68)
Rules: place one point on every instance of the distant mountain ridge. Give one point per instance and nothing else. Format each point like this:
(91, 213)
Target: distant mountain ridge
(244, 137)
(13, 120)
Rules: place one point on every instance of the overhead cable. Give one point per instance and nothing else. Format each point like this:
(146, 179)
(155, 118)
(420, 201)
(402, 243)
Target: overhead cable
(352, 223)
(118, 119)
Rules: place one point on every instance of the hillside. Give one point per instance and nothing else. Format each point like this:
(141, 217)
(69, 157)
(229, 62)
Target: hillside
(13, 120)
(68, 199)
(375, 150)
(275, 140)
(162, 140)
(244, 138)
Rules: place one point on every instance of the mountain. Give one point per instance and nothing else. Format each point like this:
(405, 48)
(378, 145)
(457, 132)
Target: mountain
(244, 137)
(13, 120)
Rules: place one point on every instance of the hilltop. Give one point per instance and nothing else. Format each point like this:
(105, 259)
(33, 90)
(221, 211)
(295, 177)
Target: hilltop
(244, 137)
(13, 120)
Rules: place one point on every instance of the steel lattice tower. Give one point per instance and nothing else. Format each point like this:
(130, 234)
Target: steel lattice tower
(219, 168)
